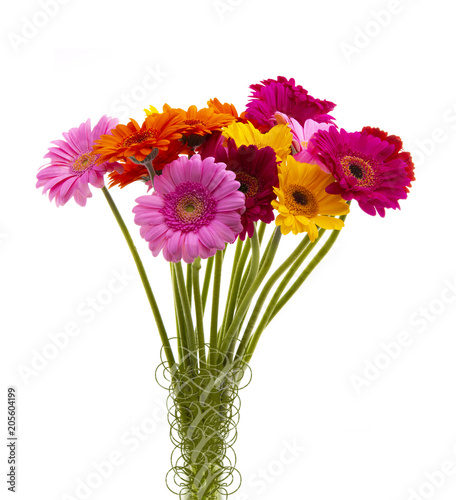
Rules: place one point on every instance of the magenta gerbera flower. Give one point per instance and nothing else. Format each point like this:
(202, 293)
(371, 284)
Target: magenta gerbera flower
(365, 167)
(74, 165)
(284, 96)
(256, 171)
(194, 211)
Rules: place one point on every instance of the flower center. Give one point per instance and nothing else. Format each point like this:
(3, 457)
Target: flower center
(194, 122)
(138, 137)
(360, 169)
(300, 201)
(189, 207)
(300, 198)
(356, 170)
(249, 184)
(84, 162)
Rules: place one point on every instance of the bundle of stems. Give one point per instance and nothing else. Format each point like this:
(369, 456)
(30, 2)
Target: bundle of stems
(256, 293)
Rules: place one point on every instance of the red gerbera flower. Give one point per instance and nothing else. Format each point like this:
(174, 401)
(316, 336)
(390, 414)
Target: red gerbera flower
(256, 171)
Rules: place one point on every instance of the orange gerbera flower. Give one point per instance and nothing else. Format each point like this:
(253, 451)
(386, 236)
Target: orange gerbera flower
(227, 109)
(139, 141)
(202, 121)
(133, 172)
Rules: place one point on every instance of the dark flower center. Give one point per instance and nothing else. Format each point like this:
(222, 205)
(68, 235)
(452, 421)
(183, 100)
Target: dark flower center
(249, 184)
(362, 169)
(194, 122)
(356, 170)
(301, 201)
(300, 198)
(138, 137)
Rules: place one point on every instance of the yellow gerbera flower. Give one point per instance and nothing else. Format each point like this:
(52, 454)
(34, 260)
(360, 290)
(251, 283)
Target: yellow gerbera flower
(303, 204)
(151, 111)
(278, 138)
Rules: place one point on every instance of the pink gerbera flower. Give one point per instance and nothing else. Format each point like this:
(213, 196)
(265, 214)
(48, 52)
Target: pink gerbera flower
(256, 170)
(365, 167)
(284, 96)
(74, 164)
(301, 138)
(194, 211)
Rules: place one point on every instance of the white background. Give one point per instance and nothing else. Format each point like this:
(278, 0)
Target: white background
(378, 442)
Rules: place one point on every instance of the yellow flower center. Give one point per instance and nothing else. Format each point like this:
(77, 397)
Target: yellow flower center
(189, 207)
(84, 162)
(360, 169)
(300, 201)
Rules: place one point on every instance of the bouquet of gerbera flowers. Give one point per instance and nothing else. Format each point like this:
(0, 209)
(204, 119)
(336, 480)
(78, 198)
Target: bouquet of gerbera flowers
(213, 177)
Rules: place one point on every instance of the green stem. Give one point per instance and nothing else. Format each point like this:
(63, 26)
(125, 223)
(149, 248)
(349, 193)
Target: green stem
(180, 322)
(234, 295)
(245, 303)
(207, 280)
(261, 230)
(189, 283)
(276, 296)
(190, 330)
(215, 308)
(278, 301)
(196, 267)
(266, 289)
(268, 246)
(242, 275)
(253, 266)
(253, 271)
(232, 285)
(142, 273)
(305, 274)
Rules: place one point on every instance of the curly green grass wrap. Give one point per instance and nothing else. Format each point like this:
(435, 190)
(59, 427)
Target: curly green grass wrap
(203, 413)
